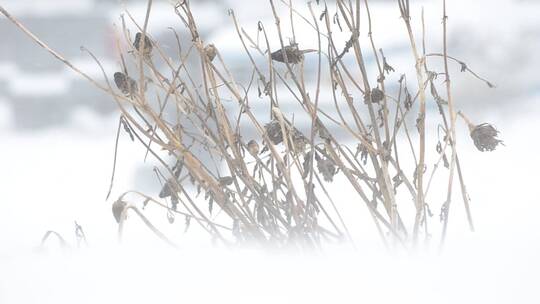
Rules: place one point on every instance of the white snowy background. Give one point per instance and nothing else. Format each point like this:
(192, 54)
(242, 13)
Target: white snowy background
(55, 173)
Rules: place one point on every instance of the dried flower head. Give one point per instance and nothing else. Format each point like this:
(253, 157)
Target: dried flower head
(117, 209)
(147, 44)
(327, 168)
(274, 133)
(210, 51)
(387, 68)
(485, 137)
(125, 84)
(294, 55)
(376, 95)
(253, 147)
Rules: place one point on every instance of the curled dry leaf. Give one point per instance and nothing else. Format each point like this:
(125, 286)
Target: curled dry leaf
(167, 189)
(117, 209)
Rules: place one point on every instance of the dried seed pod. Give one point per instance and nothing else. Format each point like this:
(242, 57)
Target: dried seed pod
(210, 51)
(253, 147)
(485, 137)
(125, 84)
(439, 147)
(147, 44)
(408, 100)
(376, 95)
(294, 55)
(327, 168)
(117, 209)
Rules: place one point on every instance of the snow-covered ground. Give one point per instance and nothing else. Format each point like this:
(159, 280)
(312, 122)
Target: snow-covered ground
(52, 177)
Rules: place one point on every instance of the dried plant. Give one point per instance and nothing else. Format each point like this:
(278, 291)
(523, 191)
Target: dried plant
(125, 84)
(290, 54)
(272, 195)
(483, 135)
(146, 48)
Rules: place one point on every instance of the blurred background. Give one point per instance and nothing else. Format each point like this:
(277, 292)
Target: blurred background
(57, 132)
(38, 92)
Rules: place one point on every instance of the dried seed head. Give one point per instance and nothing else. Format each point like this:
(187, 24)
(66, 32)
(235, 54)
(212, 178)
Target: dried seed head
(376, 95)
(294, 55)
(125, 84)
(327, 168)
(273, 131)
(387, 68)
(210, 51)
(292, 52)
(253, 147)
(147, 44)
(117, 209)
(485, 137)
